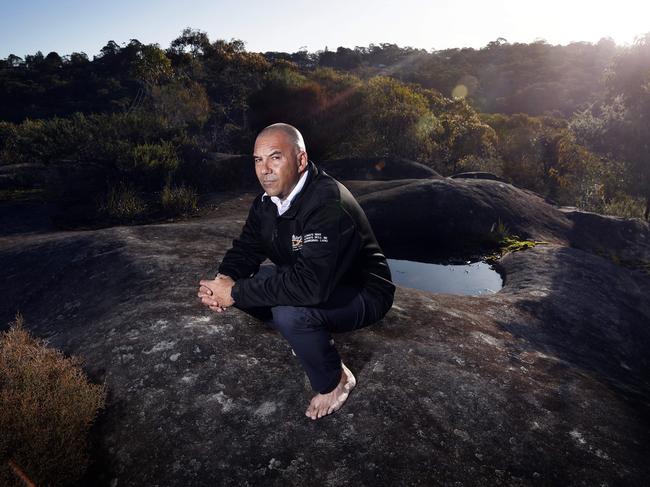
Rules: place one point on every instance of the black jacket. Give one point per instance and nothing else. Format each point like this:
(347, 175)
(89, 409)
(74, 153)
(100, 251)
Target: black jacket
(323, 240)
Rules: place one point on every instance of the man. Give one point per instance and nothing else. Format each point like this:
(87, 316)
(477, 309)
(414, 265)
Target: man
(331, 275)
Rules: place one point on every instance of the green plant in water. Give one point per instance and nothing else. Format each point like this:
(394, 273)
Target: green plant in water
(507, 242)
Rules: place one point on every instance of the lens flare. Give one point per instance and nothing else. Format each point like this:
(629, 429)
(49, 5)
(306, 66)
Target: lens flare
(460, 91)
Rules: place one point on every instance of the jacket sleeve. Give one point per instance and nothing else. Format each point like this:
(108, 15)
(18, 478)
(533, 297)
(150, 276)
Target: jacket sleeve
(247, 252)
(330, 245)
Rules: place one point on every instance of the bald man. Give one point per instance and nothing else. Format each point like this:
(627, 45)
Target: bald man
(330, 276)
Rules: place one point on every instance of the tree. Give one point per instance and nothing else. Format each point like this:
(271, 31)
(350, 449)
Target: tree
(618, 124)
(193, 42)
(150, 65)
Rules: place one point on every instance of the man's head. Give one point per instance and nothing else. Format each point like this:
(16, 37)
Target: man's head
(280, 159)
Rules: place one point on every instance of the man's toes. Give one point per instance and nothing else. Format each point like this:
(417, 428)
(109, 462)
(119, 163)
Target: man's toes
(310, 411)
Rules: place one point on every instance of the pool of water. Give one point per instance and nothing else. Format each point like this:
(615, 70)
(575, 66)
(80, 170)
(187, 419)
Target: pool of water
(470, 278)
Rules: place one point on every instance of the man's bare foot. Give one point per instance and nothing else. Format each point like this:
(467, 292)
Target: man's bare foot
(324, 404)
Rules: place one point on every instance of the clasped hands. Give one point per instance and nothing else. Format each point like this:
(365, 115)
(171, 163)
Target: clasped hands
(215, 294)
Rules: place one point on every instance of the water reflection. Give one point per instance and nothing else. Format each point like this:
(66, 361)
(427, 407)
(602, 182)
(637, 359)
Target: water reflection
(470, 279)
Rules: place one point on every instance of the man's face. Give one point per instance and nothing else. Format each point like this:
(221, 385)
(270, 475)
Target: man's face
(278, 164)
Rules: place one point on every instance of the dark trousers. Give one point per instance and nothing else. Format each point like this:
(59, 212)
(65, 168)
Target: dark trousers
(308, 329)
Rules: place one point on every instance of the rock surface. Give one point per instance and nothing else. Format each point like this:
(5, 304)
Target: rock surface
(478, 175)
(378, 169)
(546, 382)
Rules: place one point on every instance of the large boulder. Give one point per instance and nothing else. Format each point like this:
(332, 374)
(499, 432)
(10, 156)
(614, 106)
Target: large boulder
(425, 217)
(419, 217)
(546, 382)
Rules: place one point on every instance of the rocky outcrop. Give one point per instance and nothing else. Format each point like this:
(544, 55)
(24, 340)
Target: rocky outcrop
(452, 215)
(477, 175)
(546, 382)
(378, 169)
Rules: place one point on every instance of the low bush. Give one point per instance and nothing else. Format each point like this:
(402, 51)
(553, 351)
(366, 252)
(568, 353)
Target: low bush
(47, 407)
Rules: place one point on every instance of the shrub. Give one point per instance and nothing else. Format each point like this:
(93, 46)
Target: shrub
(499, 232)
(122, 203)
(47, 407)
(625, 206)
(179, 200)
(161, 156)
(151, 164)
(7, 130)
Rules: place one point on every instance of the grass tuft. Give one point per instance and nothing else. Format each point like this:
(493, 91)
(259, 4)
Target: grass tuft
(179, 199)
(507, 242)
(122, 203)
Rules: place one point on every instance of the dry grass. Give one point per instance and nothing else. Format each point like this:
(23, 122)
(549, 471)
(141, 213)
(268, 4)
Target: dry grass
(179, 200)
(47, 407)
(122, 203)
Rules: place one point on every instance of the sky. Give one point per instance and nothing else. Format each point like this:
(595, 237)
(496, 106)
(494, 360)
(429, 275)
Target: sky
(66, 26)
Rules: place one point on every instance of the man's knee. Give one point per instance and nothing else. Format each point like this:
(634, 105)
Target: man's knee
(292, 319)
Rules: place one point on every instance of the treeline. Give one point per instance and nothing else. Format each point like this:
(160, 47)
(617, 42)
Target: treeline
(567, 122)
(536, 78)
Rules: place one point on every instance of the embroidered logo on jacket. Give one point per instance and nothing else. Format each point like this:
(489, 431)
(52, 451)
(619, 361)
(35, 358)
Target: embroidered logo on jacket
(298, 240)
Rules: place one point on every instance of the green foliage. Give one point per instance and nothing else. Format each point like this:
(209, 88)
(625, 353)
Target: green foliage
(544, 155)
(181, 104)
(41, 141)
(155, 157)
(151, 65)
(625, 206)
(106, 138)
(47, 407)
(7, 131)
(499, 232)
(343, 116)
(143, 113)
(396, 121)
(506, 242)
(464, 133)
(616, 126)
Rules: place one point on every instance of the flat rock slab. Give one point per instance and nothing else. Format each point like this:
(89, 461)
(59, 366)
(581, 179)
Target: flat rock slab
(546, 382)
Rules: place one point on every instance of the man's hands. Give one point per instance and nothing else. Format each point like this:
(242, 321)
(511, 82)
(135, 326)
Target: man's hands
(215, 294)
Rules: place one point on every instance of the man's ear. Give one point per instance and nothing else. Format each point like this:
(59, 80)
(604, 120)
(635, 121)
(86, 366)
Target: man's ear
(303, 160)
